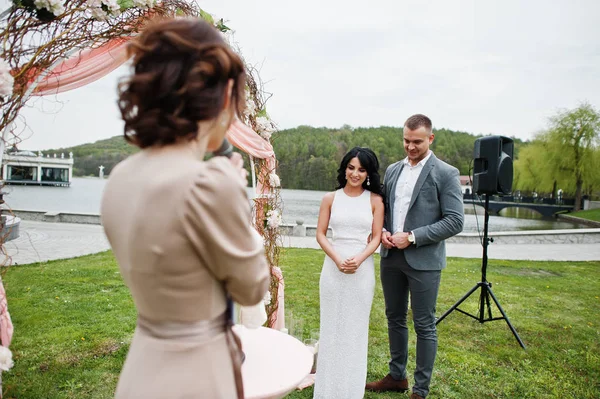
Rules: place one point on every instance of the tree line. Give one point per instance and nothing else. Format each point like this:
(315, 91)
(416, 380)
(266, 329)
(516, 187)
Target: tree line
(308, 157)
(565, 156)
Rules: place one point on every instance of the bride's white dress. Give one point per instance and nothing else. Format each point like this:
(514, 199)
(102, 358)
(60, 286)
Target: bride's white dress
(345, 303)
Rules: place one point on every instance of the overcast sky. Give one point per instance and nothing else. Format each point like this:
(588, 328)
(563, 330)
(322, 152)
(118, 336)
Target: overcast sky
(492, 67)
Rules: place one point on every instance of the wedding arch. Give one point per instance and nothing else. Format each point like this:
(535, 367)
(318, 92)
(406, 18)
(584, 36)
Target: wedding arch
(53, 46)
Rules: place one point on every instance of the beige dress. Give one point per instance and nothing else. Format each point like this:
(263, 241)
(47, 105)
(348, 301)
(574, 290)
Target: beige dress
(181, 232)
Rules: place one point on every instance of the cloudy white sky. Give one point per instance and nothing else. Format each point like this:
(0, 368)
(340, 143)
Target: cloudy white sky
(481, 66)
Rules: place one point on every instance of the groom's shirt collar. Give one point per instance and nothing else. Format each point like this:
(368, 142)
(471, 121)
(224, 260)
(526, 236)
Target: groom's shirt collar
(422, 162)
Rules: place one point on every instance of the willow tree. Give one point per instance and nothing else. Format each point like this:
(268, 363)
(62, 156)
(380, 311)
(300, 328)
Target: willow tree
(532, 172)
(573, 139)
(564, 155)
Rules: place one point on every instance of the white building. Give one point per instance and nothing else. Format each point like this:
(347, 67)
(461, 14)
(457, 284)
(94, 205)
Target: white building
(465, 184)
(26, 167)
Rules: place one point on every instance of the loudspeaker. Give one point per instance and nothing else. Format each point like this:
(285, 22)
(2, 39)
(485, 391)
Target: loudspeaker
(493, 165)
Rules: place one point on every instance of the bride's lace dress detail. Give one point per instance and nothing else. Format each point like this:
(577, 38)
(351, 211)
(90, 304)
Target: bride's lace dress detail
(345, 303)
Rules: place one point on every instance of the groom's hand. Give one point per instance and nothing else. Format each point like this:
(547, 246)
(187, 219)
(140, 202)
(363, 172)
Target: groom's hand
(400, 240)
(385, 240)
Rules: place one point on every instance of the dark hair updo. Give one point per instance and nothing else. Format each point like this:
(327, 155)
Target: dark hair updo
(369, 161)
(181, 69)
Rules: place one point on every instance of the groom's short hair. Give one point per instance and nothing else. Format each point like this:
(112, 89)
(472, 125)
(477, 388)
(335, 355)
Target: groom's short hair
(418, 120)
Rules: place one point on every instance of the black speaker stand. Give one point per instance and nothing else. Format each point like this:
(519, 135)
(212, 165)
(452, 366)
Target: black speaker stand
(486, 289)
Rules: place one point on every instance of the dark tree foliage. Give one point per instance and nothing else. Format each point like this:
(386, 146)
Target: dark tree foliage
(308, 157)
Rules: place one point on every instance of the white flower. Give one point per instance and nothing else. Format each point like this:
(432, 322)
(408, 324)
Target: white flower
(6, 80)
(99, 14)
(264, 124)
(273, 218)
(102, 9)
(274, 180)
(56, 7)
(264, 127)
(267, 298)
(143, 4)
(250, 109)
(6, 361)
(113, 7)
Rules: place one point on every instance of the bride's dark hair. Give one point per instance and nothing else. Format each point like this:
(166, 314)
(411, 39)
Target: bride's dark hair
(369, 161)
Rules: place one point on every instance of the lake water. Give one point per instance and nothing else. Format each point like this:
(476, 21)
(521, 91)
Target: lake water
(85, 193)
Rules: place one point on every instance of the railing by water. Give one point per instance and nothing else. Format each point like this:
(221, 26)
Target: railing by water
(545, 206)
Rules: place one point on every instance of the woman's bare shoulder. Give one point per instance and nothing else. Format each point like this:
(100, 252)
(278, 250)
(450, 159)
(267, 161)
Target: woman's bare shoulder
(328, 198)
(376, 199)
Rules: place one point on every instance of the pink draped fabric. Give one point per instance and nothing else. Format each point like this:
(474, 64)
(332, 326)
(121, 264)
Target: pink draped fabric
(82, 69)
(6, 326)
(244, 138)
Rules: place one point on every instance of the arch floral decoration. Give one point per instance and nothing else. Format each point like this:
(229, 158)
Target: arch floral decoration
(52, 46)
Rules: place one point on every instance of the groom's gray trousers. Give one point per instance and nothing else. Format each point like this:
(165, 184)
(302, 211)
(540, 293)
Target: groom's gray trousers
(398, 280)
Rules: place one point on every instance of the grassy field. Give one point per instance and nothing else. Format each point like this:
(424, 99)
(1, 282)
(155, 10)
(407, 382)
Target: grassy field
(74, 320)
(590, 214)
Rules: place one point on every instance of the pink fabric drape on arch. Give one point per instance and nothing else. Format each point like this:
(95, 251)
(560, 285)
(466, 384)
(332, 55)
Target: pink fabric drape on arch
(244, 138)
(83, 68)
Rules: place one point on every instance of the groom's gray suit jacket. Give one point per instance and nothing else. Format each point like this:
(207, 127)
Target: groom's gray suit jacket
(435, 212)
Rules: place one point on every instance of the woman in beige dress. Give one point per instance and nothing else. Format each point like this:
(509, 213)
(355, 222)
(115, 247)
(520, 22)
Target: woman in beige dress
(180, 227)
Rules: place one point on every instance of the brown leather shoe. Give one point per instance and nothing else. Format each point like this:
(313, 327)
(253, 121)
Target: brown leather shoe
(415, 396)
(388, 383)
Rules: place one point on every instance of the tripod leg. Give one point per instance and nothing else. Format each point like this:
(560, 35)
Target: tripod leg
(487, 300)
(482, 296)
(506, 318)
(457, 304)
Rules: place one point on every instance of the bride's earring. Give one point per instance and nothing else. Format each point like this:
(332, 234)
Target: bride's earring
(368, 181)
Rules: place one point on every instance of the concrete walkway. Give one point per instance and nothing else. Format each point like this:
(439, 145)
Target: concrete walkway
(42, 241)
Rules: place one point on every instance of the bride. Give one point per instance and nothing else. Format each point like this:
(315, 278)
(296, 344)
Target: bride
(355, 214)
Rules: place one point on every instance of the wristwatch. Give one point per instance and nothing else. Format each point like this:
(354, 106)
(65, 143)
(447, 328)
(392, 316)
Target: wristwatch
(411, 237)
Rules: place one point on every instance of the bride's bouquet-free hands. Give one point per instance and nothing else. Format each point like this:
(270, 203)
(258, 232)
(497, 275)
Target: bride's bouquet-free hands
(350, 265)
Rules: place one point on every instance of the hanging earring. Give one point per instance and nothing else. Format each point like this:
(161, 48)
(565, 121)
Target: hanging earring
(223, 122)
(368, 181)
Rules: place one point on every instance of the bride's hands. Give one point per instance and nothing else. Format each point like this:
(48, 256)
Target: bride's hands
(350, 265)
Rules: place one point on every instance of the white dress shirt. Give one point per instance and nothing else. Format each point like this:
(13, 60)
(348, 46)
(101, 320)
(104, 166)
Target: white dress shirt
(404, 190)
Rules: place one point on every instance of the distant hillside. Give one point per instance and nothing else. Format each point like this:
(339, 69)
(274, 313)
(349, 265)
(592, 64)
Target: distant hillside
(88, 157)
(308, 157)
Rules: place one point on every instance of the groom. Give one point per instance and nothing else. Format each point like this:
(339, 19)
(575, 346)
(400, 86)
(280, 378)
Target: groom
(423, 207)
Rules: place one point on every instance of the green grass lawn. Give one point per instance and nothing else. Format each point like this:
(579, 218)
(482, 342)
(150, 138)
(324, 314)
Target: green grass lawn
(590, 214)
(74, 320)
